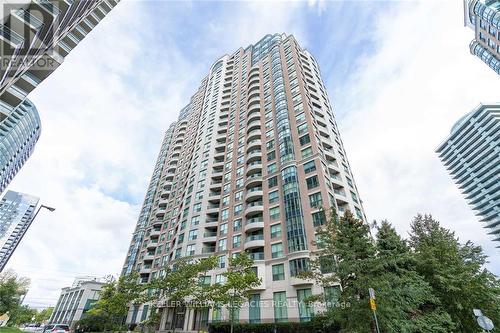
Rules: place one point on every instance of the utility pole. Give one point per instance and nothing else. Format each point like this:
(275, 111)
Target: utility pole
(373, 306)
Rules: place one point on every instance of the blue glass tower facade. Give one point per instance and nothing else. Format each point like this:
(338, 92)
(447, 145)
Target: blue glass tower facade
(484, 17)
(471, 154)
(19, 132)
(16, 214)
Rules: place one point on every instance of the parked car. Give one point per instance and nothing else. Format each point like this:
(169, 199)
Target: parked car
(56, 328)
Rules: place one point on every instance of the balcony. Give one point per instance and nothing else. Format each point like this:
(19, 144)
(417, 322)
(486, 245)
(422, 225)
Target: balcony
(215, 186)
(255, 144)
(253, 224)
(254, 167)
(155, 232)
(257, 255)
(254, 241)
(217, 175)
(210, 236)
(254, 101)
(152, 245)
(254, 155)
(157, 223)
(254, 125)
(208, 250)
(253, 180)
(257, 134)
(213, 209)
(254, 208)
(254, 116)
(296, 282)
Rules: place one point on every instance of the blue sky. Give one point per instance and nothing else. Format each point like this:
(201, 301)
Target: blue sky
(398, 74)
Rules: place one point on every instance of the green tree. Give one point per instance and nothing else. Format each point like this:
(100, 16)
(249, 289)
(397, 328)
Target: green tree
(456, 273)
(43, 315)
(12, 288)
(114, 299)
(239, 279)
(20, 315)
(180, 282)
(347, 248)
(405, 300)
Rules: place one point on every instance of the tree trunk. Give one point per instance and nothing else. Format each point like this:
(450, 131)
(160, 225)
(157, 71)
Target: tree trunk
(174, 319)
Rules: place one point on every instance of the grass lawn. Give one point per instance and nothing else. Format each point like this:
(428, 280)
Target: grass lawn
(9, 330)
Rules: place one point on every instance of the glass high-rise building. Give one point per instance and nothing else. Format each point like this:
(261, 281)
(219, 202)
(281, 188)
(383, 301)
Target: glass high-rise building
(484, 17)
(19, 132)
(35, 36)
(142, 223)
(16, 214)
(471, 154)
(253, 163)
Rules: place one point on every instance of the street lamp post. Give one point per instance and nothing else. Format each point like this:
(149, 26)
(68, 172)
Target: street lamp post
(50, 209)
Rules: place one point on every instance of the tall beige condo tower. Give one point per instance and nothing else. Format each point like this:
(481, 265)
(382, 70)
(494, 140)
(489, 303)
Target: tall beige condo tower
(251, 165)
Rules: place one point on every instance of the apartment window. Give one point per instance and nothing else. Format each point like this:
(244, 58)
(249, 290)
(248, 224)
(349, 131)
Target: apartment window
(180, 239)
(319, 218)
(199, 195)
(190, 250)
(276, 230)
(224, 214)
(305, 311)
(306, 152)
(277, 250)
(278, 272)
(192, 235)
(354, 197)
(239, 183)
(280, 307)
(274, 213)
(236, 241)
(309, 167)
(225, 200)
(358, 213)
(205, 280)
(270, 144)
(239, 171)
(237, 225)
(195, 220)
(238, 209)
(300, 117)
(271, 155)
(197, 207)
(223, 229)
(254, 309)
(298, 265)
(312, 182)
(222, 244)
(220, 279)
(271, 168)
(274, 197)
(304, 140)
(302, 128)
(332, 294)
(315, 200)
(272, 182)
(227, 176)
(238, 196)
(221, 261)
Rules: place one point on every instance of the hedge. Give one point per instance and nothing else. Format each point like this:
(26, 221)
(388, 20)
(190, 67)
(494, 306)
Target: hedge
(315, 326)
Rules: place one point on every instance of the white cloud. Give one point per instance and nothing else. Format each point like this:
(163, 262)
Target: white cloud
(401, 104)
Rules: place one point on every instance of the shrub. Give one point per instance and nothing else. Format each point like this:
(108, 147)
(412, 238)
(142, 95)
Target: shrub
(317, 325)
